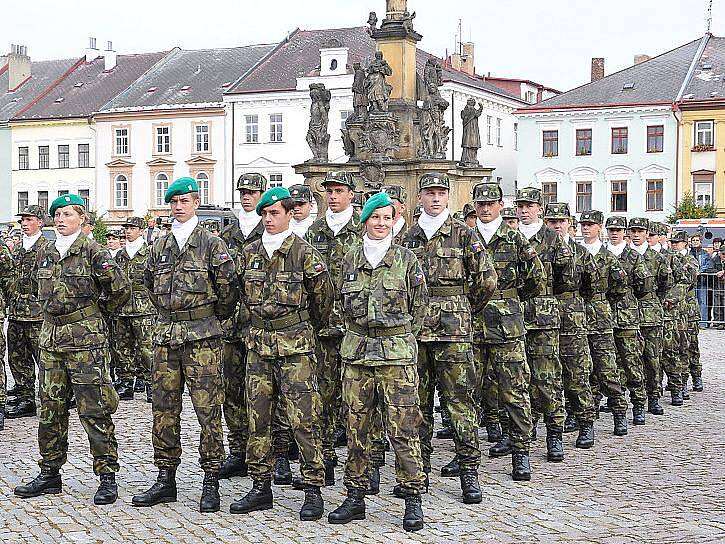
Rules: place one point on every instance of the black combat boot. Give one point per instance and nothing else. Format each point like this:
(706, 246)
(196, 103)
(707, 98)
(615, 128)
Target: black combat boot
(22, 408)
(697, 384)
(298, 483)
(638, 415)
(258, 498)
(293, 453)
(470, 487)
(139, 386)
(413, 517)
(554, 447)
(445, 433)
(585, 440)
(282, 472)
(313, 507)
(493, 430)
(620, 424)
(234, 465)
(502, 448)
(108, 490)
(125, 390)
(653, 406)
(48, 482)
(677, 397)
(164, 490)
(352, 508)
(210, 501)
(340, 438)
(520, 468)
(149, 396)
(570, 424)
(373, 481)
(400, 493)
(329, 473)
(452, 469)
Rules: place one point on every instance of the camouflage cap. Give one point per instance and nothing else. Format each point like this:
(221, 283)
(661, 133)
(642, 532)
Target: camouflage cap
(252, 181)
(592, 216)
(468, 209)
(529, 194)
(679, 236)
(487, 192)
(340, 177)
(358, 199)
(557, 210)
(113, 233)
(574, 222)
(434, 179)
(616, 222)
(417, 211)
(300, 193)
(509, 213)
(639, 223)
(396, 191)
(459, 215)
(33, 210)
(91, 218)
(655, 228)
(134, 222)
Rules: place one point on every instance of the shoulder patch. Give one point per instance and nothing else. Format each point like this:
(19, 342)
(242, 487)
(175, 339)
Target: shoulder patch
(477, 246)
(417, 279)
(530, 252)
(319, 267)
(224, 257)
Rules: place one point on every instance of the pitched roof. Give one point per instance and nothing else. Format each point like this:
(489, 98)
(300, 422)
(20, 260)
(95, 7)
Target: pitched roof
(190, 77)
(708, 78)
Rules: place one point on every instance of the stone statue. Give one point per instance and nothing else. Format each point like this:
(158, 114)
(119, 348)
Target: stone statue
(372, 21)
(378, 91)
(359, 93)
(317, 135)
(433, 76)
(471, 141)
(396, 8)
(433, 129)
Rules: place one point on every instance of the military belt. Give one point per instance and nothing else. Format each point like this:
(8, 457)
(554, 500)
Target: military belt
(566, 295)
(504, 294)
(379, 332)
(447, 291)
(73, 317)
(599, 297)
(189, 315)
(281, 322)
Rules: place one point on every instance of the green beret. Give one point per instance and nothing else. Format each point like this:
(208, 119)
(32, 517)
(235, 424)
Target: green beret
(275, 194)
(378, 200)
(66, 200)
(182, 186)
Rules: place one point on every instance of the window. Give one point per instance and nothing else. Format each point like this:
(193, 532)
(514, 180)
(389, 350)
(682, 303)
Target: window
(583, 196)
(23, 159)
(275, 127)
(275, 180)
(201, 138)
(84, 158)
(344, 115)
(498, 132)
(704, 133)
(63, 156)
(44, 156)
(549, 192)
(63, 192)
(252, 128)
(43, 200)
(530, 97)
(121, 141)
(551, 143)
(703, 188)
(583, 142)
(655, 139)
(85, 194)
(163, 139)
(120, 191)
(619, 196)
(22, 199)
(202, 178)
(489, 121)
(516, 136)
(160, 185)
(619, 140)
(654, 195)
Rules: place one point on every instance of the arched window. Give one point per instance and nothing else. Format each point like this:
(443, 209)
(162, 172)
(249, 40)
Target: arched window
(202, 178)
(161, 184)
(120, 191)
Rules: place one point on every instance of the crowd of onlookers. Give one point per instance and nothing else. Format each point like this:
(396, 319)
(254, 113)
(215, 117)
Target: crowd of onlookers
(711, 282)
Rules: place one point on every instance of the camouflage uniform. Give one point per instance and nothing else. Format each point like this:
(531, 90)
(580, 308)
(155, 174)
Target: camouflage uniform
(7, 273)
(384, 310)
(192, 289)
(289, 296)
(73, 291)
(690, 315)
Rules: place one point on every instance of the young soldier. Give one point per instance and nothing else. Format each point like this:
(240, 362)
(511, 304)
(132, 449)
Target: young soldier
(288, 291)
(6, 274)
(192, 282)
(399, 197)
(469, 215)
(512, 219)
(302, 218)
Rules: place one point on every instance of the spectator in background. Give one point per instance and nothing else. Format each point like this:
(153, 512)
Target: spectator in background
(716, 244)
(703, 258)
(716, 267)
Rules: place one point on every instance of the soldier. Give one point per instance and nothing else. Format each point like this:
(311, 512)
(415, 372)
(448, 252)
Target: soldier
(608, 287)
(7, 271)
(288, 291)
(399, 197)
(541, 317)
(113, 242)
(135, 319)
(302, 218)
(626, 315)
(89, 225)
(460, 279)
(192, 283)
(358, 202)
(512, 219)
(416, 213)
(237, 236)
(77, 280)
(469, 215)
(384, 300)
(25, 316)
(499, 330)
(212, 225)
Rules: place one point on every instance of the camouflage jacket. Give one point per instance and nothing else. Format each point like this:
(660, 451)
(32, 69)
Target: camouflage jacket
(333, 248)
(609, 284)
(521, 277)
(639, 282)
(294, 281)
(684, 301)
(8, 274)
(68, 290)
(542, 311)
(140, 302)
(398, 239)
(572, 309)
(650, 305)
(192, 289)
(22, 287)
(236, 329)
(454, 258)
(393, 295)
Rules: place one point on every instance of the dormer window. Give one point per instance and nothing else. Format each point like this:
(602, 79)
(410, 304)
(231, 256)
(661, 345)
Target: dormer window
(333, 58)
(333, 65)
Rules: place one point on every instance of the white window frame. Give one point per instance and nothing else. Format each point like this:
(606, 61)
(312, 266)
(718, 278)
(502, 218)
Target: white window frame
(251, 128)
(499, 124)
(160, 187)
(516, 136)
(699, 195)
(276, 128)
(202, 179)
(163, 140)
(489, 126)
(202, 138)
(120, 191)
(703, 128)
(344, 115)
(275, 179)
(122, 143)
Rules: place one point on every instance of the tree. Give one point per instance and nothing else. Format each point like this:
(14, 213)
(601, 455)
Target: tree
(687, 209)
(100, 231)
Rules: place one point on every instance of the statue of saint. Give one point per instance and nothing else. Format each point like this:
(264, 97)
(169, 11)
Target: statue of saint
(359, 94)
(471, 142)
(378, 91)
(317, 135)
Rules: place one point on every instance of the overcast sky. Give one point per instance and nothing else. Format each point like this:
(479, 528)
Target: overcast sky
(549, 41)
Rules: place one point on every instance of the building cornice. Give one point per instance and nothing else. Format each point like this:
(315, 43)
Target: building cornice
(172, 112)
(610, 109)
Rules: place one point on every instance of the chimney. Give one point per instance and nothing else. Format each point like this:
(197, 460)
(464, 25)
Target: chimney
(18, 66)
(92, 52)
(456, 61)
(639, 59)
(467, 59)
(109, 57)
(597, 69)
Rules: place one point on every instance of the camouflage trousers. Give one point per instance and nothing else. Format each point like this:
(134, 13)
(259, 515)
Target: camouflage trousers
(365, 389)
(134, 347)
(605, 376)
(629, 362)
(87, 375)
(23, 356)
(651, 353)
(197, 364)
(329, 377)
(547, 389)
(693, 363)
(112, 351)
(450, 365)
(506, 364)
(3, 376)
(671, 359)
(291, 381)
(576, 367)
(234, 361)
(487, 395)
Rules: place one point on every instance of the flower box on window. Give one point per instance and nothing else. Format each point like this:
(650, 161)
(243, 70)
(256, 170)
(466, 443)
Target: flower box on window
(703, 147)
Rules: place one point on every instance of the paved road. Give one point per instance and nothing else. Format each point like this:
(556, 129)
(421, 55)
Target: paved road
(661, 483)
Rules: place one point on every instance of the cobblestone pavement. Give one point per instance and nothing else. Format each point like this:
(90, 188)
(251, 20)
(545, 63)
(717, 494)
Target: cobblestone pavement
(661, 483)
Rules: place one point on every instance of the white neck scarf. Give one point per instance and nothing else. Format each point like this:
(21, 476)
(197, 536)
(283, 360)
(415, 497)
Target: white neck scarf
(657, 247)
(182, 231)
(431, 223)
(375, 250)
(300, 228)
(683, 251)
(398, 225)
(530, 230)
(272, 242)
(594, 247)
(618, 249)
(487, 230)
(29, 241)
(566, 237)
(247, 221)
(114, 252)
(63, 243)
(133, 247)
(337, 220)
(639, 249)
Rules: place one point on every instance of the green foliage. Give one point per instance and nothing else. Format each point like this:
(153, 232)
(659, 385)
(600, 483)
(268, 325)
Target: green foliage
(100, 231)
(687, 209)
